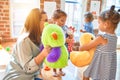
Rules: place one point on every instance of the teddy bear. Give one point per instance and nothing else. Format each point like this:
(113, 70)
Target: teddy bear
(53, 36)
(83, 58)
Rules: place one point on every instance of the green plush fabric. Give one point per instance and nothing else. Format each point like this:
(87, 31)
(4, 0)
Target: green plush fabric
(47, 39)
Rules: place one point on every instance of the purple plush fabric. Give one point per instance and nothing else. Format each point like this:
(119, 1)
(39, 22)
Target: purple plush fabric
(41, 47)
(54, 55)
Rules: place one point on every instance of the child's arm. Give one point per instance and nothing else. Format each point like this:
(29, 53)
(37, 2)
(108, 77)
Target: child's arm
(98, 41)
(83, 31)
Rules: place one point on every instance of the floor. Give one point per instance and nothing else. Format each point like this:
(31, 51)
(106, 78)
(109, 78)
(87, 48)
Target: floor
(4, 58)
(70, 70)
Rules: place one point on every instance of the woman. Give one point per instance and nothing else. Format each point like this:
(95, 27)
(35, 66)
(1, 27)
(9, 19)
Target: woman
(27, 57)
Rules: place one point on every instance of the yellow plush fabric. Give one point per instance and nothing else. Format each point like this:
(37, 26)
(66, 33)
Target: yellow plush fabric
(83, 58)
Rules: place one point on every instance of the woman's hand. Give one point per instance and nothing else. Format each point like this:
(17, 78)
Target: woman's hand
(40, 57)
(46, 50)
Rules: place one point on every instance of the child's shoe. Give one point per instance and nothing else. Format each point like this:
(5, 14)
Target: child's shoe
(61, 73)
(55, 75)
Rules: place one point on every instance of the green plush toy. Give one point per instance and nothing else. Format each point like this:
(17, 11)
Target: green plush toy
(53, 36)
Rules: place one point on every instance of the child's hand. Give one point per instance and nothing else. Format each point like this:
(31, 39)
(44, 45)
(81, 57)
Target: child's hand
(68, 40)
(81, 30)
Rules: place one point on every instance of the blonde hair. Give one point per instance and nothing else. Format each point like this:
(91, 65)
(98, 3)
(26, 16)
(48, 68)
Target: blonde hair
(32, 25)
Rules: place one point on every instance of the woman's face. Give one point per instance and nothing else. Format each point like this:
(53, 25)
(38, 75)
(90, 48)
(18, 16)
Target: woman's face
(44, 19)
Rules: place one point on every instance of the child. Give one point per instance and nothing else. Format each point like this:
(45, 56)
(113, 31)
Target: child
(59, 18)
(103, 65)
(88, 26)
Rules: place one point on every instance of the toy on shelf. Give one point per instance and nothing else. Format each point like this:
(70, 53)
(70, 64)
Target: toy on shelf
(53, 36)
(83, 58)
(8, 49)
(4, 57)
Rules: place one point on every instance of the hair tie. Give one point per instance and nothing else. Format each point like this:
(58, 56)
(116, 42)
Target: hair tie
(118, 10)
(112, 8)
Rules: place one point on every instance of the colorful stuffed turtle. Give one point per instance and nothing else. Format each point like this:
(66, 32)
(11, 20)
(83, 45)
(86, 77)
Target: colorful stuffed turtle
(53, 36)
(83, 58)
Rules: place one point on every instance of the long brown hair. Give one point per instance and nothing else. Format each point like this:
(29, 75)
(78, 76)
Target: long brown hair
(32, 25)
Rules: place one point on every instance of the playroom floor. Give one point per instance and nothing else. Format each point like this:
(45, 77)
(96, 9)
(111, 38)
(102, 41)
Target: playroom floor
(69, 70)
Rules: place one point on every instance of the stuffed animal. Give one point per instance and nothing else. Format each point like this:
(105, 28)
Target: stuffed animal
(70, 35)
(53, 36)
(83, 58)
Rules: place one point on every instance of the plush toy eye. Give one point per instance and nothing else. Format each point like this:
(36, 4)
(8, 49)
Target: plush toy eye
(91, 38)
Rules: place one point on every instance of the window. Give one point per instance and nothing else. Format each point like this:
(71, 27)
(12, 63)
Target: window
(19, 11)
(73, 8)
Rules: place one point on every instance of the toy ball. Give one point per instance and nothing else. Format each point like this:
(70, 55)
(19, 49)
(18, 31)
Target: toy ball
(7, 48)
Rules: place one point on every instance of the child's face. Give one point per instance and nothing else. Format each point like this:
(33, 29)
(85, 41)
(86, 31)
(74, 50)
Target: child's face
(86, 20)
(61, 21)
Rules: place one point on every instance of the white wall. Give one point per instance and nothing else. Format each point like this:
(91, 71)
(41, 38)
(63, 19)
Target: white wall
(63, 5)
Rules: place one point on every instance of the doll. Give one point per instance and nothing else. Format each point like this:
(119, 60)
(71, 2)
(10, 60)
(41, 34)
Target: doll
(70, 35)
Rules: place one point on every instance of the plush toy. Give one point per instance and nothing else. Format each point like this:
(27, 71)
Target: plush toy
(53, 36)
(70, 35)
(83, 58)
